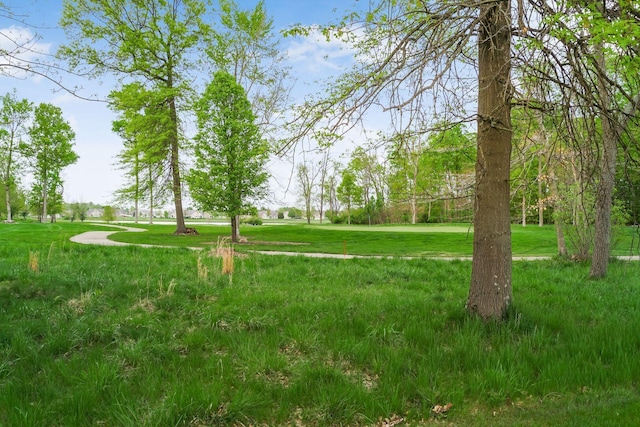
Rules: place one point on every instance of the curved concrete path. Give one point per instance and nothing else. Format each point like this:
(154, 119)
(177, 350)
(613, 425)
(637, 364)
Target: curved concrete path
(102, 238)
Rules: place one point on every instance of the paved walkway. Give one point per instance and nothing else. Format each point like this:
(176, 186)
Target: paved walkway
(102, 238)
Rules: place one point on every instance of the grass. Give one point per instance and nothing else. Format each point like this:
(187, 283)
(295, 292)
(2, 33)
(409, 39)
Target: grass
(140, 337)
(421, 240)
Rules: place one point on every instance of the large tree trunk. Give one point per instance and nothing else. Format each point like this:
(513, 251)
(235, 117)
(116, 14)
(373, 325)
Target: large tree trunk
(490, 293)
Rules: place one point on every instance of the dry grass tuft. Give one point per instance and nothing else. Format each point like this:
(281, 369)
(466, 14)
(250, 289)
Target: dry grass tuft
(33, 261)
(203, 270)
(224, 249)
(78, 305)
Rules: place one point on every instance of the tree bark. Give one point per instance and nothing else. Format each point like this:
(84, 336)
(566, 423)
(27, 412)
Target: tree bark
(606, 183)
(490, 293)
(234, 229)
(8, 178)
(604, 200)
(175, 168)
(557, 221)
(540, 195)
(44, 199)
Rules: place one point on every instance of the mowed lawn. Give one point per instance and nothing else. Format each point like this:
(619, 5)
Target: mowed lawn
(130, 336)
(420, 240)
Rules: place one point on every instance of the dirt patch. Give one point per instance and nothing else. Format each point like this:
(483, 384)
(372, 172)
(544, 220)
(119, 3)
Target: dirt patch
(190, 231)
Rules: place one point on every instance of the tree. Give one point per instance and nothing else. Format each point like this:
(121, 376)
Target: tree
(449, 163)
(406, 174)
(490, 294)
(330, 189)
(108, 214)
(79, 211)
(371, 179)
(592, 61)
(141, 117)
(405, 49)
(231, 155)
(14, 115)
(307, 176)
(50, 150)
(349, 192)
(246, 48)
(294, 213)
(152, 43)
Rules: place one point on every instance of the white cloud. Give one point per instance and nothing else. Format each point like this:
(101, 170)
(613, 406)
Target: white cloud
(317, 54)
(21, 49)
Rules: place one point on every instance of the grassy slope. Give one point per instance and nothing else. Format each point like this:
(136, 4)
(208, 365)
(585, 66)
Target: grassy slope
(132, 336)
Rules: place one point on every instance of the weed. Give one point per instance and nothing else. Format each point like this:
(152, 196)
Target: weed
(203, 270)
(33, 261)
(224, 250)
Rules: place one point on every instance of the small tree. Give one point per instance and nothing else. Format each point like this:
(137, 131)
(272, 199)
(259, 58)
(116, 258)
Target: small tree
(108, 214)
(230, 152)
(50, 150)
(14, 115)
(307, 175)
(349, 192)
(79, 211)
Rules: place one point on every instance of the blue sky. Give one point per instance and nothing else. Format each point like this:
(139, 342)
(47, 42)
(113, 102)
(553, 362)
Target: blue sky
(94, 178)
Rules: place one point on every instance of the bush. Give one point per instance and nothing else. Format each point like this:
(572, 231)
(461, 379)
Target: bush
(338, 219)
(280, 215)
(252, 221)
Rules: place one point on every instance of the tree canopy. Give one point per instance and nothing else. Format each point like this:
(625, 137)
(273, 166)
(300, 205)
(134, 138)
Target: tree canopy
(229, 173)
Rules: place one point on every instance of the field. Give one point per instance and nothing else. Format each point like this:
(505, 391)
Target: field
(421, 240)
(130, 336)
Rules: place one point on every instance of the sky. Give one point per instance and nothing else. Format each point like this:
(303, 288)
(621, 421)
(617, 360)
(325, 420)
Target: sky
(95, 177)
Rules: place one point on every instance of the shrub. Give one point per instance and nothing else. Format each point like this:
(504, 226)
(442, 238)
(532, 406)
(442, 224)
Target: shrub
(252, 221)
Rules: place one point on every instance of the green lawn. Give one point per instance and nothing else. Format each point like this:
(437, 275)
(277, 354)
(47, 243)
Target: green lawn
(421, 240)
(129, 336)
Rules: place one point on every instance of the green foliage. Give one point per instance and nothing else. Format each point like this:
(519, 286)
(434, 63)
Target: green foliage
(294, 213)
(252, 221)
(229, 172)
(154, 45)
(78, 211)
(49, 151)
(246, 46)
(348, 191)
(144, 124)
(14, 117)
(108, 213)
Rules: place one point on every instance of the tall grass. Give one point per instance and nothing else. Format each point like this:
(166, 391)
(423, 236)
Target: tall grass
(140, 337)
